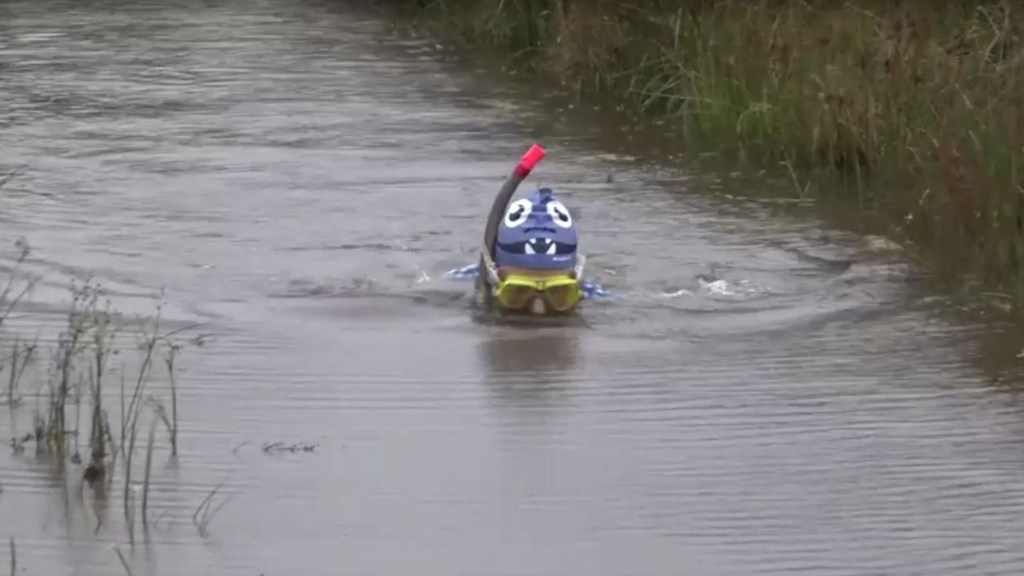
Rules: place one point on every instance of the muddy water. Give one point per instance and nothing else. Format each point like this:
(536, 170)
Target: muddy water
(761, 397)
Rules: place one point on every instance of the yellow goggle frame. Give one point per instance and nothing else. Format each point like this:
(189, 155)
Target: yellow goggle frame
(515, 289)
(560, 293)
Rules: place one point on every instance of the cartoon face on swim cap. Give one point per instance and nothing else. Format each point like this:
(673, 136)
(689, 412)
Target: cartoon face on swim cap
(537, 232)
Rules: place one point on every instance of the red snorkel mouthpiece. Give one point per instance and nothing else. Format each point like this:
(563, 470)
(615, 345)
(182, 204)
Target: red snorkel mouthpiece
(531, 158)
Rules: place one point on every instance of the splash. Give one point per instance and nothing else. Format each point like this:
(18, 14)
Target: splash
(716, 287)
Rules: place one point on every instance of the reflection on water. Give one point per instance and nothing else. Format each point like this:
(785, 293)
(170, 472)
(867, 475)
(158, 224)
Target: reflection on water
(533, 354)
(529, 368)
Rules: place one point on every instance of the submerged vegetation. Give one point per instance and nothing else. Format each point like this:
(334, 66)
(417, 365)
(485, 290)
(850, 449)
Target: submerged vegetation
(79, 374)
(51, 392)
(910, 113)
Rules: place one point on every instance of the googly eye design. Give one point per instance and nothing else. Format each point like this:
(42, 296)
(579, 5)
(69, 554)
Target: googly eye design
(518, 212)
(560, 214)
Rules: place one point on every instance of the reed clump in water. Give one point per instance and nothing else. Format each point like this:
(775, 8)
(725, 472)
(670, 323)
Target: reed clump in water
(80, 372)
(910, 112)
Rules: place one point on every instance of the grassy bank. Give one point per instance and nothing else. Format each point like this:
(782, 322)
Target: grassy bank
(912, 111)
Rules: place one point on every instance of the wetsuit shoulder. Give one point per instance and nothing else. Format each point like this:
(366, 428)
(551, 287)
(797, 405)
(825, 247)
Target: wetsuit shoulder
(468, 271)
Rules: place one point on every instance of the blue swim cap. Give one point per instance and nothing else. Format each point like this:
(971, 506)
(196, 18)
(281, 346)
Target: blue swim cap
(538, 233)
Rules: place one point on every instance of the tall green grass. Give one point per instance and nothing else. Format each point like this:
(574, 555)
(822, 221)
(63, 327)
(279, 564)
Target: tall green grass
(913, 111)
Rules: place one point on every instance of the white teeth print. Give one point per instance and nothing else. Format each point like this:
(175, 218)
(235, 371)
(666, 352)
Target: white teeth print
(529, 247)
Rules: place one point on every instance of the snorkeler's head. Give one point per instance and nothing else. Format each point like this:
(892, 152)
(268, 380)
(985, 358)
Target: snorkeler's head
(536, 233)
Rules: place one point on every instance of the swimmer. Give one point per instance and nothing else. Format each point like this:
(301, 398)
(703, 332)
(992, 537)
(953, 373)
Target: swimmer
(529, 260)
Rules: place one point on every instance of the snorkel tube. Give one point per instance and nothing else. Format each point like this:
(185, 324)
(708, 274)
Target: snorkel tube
(529, 160)
(487, 278)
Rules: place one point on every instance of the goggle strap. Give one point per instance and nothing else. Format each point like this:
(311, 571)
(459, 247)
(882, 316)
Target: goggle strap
(581, 260)
(491, 270)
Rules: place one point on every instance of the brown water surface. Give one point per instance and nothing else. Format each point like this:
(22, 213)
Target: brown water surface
(760, 397)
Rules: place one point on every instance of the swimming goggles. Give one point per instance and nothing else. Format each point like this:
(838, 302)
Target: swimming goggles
(516, 289)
